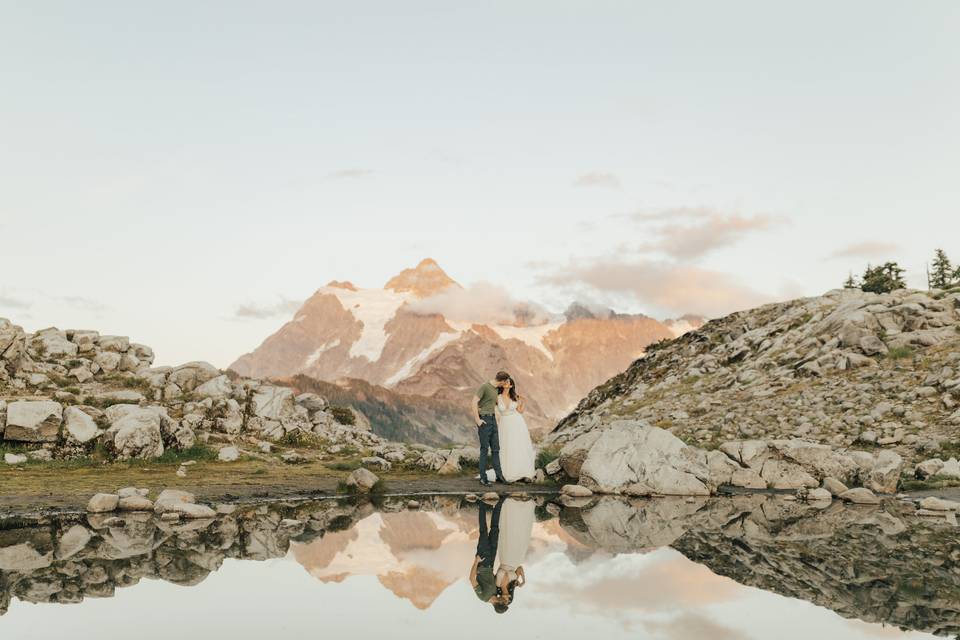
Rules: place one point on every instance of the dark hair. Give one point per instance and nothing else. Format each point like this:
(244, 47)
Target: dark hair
(513, 389)
(502, 376)
(511, 587)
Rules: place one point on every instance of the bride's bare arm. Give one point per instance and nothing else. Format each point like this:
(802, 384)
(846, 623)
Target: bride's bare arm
(520, 404)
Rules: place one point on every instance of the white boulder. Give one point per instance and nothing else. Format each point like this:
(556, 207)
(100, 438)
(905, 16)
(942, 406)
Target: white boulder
(628, 453)
(33, 421)
(79, 426)
(136, 435)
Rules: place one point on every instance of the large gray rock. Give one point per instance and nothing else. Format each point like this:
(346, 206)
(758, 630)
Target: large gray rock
(103, 503)
(631, 453)
(228, 454)
(363, 480)
(136, 435)
(781, 474)
(311, 402)
(108, 361)
(860, 495)
(217, 388)
(12, 347)
(117, 344)
(191, 375)
(52, 343)
(885, 474)
(272, 403)
(33, 421)
(79, 426)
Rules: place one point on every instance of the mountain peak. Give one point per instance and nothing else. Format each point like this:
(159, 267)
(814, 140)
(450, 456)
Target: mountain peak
(424, 280)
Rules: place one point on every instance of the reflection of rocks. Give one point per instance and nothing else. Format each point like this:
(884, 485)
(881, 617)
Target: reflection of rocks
(878, 565)
(67, 561)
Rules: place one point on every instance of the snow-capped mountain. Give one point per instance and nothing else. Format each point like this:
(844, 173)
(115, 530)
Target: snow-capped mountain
(400, 338)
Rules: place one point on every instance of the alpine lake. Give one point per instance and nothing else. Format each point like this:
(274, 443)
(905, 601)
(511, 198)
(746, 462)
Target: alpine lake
(724, 568)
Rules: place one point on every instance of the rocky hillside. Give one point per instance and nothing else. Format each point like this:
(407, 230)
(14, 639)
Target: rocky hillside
(398, 338)
(395, 416)
(67, 394)
(847, 369)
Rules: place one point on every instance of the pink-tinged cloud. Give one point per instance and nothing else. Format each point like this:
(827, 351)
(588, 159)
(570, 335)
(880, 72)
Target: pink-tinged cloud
(691, 232)
(601, 179)
(670, 287)
(866, 250)
(692, 625)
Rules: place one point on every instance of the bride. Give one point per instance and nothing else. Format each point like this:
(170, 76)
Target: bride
(516, 450)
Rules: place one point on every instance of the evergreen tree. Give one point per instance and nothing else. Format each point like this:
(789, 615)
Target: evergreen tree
(883, 279)
(943, 274)
(850, 282)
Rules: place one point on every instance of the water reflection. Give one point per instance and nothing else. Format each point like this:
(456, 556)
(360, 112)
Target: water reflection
(750, 566)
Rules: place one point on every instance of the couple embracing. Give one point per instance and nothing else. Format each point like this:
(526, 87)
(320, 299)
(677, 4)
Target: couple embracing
(504, 437)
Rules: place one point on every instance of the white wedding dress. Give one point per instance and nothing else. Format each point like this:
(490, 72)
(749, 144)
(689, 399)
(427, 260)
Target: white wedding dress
(516, 449)
(516, 527)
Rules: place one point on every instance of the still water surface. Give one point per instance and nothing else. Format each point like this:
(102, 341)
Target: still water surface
(731, 568)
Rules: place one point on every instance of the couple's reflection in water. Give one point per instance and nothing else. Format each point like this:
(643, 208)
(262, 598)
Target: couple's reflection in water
(505, 530)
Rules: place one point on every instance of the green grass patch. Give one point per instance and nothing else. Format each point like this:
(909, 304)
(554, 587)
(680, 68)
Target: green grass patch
(344, 465)
(898, 353)
(198, 452)
(933, 482)
(547, 455)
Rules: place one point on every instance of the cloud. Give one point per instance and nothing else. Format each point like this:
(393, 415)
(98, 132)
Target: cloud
(693, 625)
(602, 179)
(671, 287)
(482, 303)
(865, 250)
(701, 231)
(85, 304)
(260, 312)
(9, 302)
(350, 174)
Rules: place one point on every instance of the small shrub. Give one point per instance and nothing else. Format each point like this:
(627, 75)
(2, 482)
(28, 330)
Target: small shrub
(547, 455)
(74, 390)
(135, 383)
(344, 466)
(898, 353)
(343, 415)
(303, 440)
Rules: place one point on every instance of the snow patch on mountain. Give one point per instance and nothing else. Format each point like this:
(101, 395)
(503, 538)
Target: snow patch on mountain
(313, 357)
(374, 308)
(414, 363)
(532, 336)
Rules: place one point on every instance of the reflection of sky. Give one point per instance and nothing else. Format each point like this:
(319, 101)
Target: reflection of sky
(404, 575)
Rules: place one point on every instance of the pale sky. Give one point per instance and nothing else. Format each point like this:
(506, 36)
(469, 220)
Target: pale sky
(164, 164)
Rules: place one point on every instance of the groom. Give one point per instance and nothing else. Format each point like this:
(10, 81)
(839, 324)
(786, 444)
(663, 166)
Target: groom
(484, 407)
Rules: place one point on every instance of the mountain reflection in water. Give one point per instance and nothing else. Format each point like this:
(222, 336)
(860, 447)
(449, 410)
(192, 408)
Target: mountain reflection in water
(737, 567)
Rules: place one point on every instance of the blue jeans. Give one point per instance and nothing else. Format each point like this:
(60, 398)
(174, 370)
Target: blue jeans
(489, 441)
